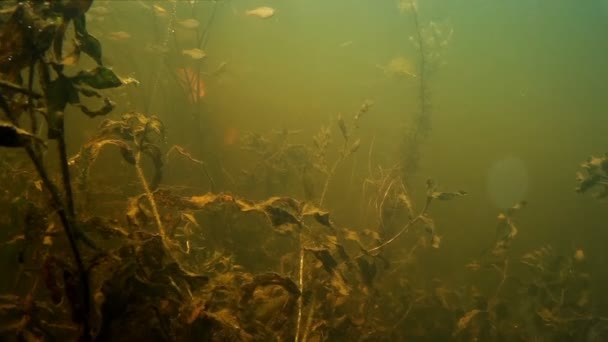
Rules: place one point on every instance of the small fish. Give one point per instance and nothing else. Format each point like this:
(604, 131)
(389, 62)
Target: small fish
(189, 23)
(159, 10)
(195, 53)
(263, 12)
(98, 11)
(119, 35)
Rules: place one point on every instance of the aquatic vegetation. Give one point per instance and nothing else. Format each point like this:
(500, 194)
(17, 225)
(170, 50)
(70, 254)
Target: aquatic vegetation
(430, 40)
(595, 175)
(41, 52)
(136, 257)
(281, 164)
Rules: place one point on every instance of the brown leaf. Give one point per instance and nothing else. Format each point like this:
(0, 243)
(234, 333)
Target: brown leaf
(267, 279)
(320, 215)
(465, 321)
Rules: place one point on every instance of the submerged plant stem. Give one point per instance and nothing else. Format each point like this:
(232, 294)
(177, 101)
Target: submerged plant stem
(405, 228)
(311, 313)
(422, 56)
(150, 197)
(301, 286)
(422, 122)
(327, 180)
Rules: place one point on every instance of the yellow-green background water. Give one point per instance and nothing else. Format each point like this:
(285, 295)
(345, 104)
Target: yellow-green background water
(520, 103)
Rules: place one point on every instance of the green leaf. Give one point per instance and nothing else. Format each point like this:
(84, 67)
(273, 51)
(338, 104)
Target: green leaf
(92, 47)
(98, 78)
(12, 136)
(88, 43)
(107, 108)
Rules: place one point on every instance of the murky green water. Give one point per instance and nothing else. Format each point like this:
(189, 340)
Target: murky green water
(517, 99)
(518, 105)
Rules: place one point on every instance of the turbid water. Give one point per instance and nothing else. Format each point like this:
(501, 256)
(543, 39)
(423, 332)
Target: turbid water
(515, 97)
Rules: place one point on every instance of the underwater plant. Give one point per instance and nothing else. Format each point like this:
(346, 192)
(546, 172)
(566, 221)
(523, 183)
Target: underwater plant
(135, 257)
(34, 39)
(595, 175)
(430, 41)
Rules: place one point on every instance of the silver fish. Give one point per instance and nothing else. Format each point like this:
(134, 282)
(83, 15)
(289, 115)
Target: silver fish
(263, 12)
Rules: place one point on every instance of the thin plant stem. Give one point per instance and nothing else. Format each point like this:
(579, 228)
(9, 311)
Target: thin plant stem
(311, 313)
(404, 229)
(301, 286)
(328, 179)
(150, 197)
